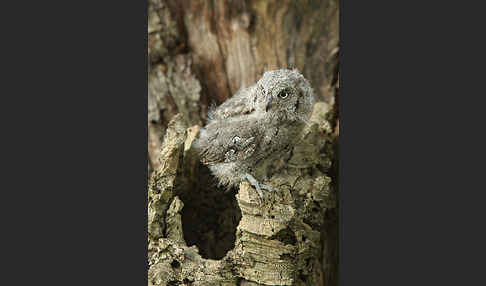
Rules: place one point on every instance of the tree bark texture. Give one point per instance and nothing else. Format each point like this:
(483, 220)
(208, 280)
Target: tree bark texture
(200, 53)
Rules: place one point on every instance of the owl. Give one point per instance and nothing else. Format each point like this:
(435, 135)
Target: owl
(250, 131)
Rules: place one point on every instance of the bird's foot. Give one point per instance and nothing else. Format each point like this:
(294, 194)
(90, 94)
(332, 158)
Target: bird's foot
(258, 186)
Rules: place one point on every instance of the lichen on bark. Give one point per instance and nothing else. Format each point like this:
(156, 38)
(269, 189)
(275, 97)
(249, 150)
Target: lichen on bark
(201, 52)
(172, 86)
(277, 241)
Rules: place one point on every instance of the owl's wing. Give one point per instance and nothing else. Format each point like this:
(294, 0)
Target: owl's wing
(243, 102)
(228, 141)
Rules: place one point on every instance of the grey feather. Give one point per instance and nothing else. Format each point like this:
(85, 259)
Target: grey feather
(246, 134)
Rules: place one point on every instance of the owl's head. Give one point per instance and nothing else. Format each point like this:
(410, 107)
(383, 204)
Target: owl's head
(286, 92)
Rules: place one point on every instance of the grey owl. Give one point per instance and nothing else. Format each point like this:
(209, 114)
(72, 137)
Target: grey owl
(255, 127)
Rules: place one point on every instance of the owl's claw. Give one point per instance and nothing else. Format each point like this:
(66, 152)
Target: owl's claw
(258, 186)
(267, 187)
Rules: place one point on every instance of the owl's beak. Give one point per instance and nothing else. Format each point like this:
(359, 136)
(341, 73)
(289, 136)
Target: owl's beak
(269, 102)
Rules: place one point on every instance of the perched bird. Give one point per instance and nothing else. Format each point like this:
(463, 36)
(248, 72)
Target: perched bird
(246, 134)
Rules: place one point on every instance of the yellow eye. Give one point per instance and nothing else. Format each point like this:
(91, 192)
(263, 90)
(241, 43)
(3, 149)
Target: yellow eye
(283, 94)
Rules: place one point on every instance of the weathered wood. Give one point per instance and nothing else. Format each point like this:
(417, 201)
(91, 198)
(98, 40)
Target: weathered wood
(227, 45)
(233, 42)
(202, 52)
(277, 241)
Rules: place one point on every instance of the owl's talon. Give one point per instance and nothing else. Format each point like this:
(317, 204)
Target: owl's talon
(267, 187)
(259, 191)
(258, 186)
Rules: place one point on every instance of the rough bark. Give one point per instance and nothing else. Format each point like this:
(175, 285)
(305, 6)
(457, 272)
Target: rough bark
(238, 239)
(201, 52)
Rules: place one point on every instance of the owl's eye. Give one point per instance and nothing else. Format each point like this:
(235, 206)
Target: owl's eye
(283, 94)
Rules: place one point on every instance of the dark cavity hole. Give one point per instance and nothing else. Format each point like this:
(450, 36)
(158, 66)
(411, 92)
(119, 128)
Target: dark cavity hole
(286, 236)
(302, 276)
(210, 214)
(307, 261)
(175, 264)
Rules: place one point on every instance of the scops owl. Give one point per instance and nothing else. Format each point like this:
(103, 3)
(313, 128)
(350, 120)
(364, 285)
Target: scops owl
(246, 134)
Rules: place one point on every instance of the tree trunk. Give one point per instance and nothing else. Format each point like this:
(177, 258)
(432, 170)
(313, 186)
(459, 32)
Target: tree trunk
(201, 52)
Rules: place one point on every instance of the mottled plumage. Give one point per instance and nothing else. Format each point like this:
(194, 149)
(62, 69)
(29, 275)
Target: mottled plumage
(255, 127)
